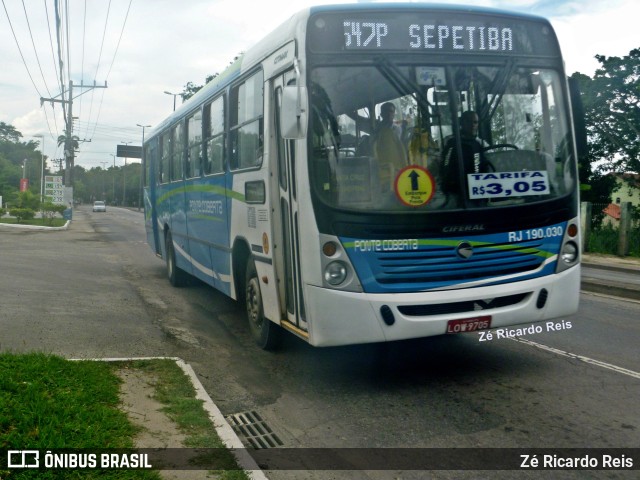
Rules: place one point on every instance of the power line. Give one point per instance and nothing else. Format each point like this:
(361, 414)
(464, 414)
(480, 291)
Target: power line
(19, 49)
(104, 33)
(55, 67)
(67, 16)
(35, 50)
(84, 38)
(58, 34)
(124, 24)
(53, 55)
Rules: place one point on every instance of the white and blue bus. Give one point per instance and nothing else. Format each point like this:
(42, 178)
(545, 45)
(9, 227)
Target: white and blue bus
(377, 172)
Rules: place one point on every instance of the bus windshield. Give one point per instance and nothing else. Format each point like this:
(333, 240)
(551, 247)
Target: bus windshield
(413, 138)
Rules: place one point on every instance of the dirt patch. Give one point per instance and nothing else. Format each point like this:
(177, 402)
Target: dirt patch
(157, 429)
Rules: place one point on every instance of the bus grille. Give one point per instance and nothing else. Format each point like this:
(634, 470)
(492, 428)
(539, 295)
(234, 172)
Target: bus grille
(462, 307)
(438, 267)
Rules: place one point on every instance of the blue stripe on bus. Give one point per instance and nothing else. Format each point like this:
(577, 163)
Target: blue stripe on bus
(394, 266)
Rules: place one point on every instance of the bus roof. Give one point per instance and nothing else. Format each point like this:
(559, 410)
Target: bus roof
(401, 6)
(243, 63)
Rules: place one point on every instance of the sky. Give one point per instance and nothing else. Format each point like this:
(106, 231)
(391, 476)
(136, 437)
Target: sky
(143, 48)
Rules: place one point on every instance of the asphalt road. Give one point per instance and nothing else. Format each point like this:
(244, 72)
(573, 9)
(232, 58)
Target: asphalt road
(97, 290)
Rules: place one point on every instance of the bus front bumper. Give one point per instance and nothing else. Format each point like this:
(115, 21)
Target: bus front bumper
(343, 318)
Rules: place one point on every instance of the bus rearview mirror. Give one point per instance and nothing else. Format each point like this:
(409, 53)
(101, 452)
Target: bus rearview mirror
(293, 114)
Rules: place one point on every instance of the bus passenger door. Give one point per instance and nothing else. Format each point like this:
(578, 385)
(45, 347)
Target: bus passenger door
(150, 180)
(287, 229)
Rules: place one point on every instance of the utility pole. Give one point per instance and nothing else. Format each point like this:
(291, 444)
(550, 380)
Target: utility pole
(124, 177)
(69, 151)
(104, 195)
(58, 161)
(41, 166)
(142, 169)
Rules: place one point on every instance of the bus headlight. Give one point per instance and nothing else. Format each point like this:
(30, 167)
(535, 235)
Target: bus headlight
(335, 273)
(569, 253)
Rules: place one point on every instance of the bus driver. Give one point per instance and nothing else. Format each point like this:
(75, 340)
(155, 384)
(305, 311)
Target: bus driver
(472, 152)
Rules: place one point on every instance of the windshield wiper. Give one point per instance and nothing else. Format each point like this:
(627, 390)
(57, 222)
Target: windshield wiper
(401, 82)
(497, 90)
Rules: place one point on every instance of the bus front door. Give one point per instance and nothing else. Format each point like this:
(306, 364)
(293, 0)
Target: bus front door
(290, 285)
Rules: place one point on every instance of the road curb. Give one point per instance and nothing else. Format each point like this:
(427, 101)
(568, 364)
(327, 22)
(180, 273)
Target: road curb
(223, 429)
(614, 268)
(36, 227)
(610, 289)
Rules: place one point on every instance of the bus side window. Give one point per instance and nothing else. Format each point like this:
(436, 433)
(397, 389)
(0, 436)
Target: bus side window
(177, 143)
(247, 123)
(194, 146)
(214, 134)
(165, 155)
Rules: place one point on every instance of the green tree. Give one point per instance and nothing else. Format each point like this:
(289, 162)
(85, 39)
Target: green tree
(74, 140)
(190, 89)
(13, 153)
(8, 133)
(612, 112)
(71, 143)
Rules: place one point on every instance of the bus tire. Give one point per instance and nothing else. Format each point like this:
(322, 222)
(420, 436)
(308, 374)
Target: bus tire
(265, 333)
(177, 277)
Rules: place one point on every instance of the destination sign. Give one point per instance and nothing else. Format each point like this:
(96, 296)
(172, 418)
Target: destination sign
(435, 37)
(430, 32)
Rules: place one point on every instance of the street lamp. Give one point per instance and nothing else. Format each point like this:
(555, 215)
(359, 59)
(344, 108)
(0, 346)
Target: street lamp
(143, 127)
(174, 98)
(41, 166)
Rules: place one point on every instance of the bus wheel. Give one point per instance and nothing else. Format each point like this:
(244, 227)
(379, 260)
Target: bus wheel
(177, 276)
(265, 333)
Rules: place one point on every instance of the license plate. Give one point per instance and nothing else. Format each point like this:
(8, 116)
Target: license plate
(469, 324)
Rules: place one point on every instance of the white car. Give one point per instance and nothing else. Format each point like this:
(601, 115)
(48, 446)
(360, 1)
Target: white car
(99, 206)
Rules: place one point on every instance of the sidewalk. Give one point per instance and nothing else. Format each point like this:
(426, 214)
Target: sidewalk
(610, 262)
(612, 286)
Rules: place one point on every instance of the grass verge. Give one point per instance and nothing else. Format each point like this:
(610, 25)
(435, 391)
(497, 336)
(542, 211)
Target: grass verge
(47, 402)
(174, 390)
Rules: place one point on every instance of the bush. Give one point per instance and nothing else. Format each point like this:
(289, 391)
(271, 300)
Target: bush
(604, 240)
(49, 210)
(28, 200)
(22, 214)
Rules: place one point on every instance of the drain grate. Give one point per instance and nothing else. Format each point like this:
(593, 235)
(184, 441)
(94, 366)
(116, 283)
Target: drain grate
(254, 429)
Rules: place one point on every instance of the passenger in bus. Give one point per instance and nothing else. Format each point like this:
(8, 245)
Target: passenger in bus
(388, 148)
(472, 153)
(326, 133)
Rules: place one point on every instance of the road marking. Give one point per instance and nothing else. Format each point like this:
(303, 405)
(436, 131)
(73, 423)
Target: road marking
(591, 361)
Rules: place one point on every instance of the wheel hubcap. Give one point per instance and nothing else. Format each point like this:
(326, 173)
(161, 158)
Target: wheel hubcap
(253, 303)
